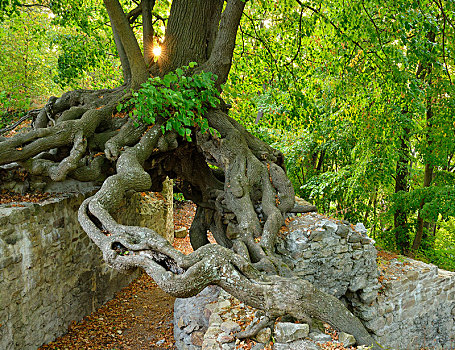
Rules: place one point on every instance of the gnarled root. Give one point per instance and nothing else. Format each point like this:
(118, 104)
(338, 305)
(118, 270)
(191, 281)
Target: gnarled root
(185, 275)
(75, 117)
(254, 329)
(241, 197)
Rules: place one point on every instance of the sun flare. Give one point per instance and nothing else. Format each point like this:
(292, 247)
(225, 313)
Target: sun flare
(156, 50)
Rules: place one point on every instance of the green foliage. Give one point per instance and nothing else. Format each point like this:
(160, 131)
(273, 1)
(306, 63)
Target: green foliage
(179, 197)
(27, 63)
(333, 85)
(40, 57)
(181, 99)
(86, 50)
(84, 61)
(7, 8)
(440, 248)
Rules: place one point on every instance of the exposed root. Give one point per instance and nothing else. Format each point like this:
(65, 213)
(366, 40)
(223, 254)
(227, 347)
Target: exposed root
(185, 276)
(242, 198)
(254, 329)
(17, 123)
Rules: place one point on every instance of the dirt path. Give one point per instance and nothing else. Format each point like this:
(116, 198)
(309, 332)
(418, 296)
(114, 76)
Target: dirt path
(139, 317)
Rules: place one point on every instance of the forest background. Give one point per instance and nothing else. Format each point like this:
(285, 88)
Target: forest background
(358, 96)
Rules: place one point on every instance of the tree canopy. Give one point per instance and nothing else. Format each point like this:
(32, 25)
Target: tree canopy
(358, 96)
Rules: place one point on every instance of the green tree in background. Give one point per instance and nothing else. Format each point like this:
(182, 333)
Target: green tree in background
(44, 53)
(27, 61)
(359, 97)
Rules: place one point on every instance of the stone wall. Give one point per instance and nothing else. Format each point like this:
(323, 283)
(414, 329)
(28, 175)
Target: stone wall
(414, 305)
(150, 209)
(332, 255)
(50, 271)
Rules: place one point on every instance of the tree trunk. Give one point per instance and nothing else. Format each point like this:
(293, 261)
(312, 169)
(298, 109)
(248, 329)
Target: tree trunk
(421, 224)
(424, 72)
(147, 30)
(189, 33)
(401, 184)
(126, 69)
(139, 72)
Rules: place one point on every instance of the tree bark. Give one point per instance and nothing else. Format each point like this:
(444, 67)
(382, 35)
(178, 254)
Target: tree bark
(188, 32)
(139, 72)
(221, 55)
(421, 224)
(126, 69)
(424, 72)
(147, 30)
(401, 185)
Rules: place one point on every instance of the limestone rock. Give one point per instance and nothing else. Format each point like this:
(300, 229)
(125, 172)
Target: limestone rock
(346, 339)
(342, 231)
(228, 346)
(286, 332)
(197, 338)
(296, 345)
(225, 304)
(215, 319)
(211, 344)
(230, 326)
(263, 335)
(193, 326)
(189, 317)
(181, 323)
(225, 338)
(360, 227)
(320, 337)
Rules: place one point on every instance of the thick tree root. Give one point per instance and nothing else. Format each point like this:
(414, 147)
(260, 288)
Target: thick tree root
(185, 276)
(242, 198)
(73, 131)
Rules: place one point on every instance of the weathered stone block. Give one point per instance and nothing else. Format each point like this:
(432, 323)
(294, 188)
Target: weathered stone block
(264, 335)
(342, 231)
(286, 332)
(230, 327)
(354, 238)
(346, 339)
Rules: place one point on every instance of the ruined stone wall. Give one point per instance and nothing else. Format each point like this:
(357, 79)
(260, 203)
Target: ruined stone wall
(50, 271)
(150, 209)
(414, 305)
(332, 255)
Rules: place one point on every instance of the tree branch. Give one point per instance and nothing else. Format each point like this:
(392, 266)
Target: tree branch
(220, 59)
(118, 18)
(147, 30)
(134, 13)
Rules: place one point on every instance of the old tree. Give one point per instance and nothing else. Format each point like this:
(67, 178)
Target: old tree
(226, 171)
